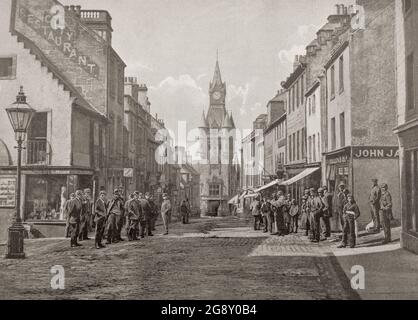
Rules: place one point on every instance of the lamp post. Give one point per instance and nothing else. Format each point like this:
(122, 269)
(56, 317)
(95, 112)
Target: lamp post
(20, 115)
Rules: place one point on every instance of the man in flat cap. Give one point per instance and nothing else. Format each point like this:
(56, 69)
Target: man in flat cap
(374, 198)
(165, 212)
(115, 213)
(340, 200)
(386, 212)
(74, 207)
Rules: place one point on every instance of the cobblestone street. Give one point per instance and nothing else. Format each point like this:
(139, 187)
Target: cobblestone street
(207, 259)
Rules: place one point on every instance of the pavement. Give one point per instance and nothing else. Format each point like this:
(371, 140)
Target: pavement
(213, 258)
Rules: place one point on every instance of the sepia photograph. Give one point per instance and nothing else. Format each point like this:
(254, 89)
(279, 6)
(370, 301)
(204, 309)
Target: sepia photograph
(227, 151)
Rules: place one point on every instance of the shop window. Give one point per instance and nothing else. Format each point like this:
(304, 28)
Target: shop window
(7, 68)
(45, 197)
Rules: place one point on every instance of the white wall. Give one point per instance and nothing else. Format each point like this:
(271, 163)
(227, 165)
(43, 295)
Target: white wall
(42, 91)
(313, 124)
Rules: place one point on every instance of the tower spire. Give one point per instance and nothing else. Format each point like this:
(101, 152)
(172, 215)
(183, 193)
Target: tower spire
(217, 79)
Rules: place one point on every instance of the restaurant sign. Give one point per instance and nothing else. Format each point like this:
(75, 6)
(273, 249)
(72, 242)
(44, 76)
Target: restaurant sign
(375, 152)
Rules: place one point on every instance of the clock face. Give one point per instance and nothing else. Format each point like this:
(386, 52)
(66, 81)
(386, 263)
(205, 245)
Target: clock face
(216, 95)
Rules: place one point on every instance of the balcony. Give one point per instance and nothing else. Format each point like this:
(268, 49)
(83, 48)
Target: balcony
(38, 152)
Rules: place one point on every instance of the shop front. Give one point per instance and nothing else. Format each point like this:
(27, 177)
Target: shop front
(356, 167)
(45, 193)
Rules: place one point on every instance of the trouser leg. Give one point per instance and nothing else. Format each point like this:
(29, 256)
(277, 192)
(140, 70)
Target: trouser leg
(83, 225)
(110, 228)
(385, 219)
(326, 227)
(346, 230)
(99, 231)
(317, 227)
(74, 230)
(165, 219)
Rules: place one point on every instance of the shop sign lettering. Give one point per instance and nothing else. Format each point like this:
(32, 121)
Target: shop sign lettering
(62, 39)
(376, 152)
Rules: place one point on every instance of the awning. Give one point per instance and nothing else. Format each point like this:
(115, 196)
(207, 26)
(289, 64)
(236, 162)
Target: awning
(300, 176)
(267, 186)
(234, 200)
(243, 195)
(251, 195)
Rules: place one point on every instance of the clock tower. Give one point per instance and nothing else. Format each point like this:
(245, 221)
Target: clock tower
(218, 174)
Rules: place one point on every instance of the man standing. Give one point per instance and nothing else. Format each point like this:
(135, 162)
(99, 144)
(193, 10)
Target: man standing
(316, 207)
(326, 231)
(386, 212)
(255, 208)
(74, 208)
(154, 210)
(351, 213)
(147, 212)
(133, 213)
(165, 212)
(267, 216)
(100, 219)
(374, 198)
(85, 216)
(340, 202)
(115, 214)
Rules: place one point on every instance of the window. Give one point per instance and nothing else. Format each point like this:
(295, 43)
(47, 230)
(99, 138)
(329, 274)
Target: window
(407, 5)
(341, 70)
(297, 94)
(214, 190)
(37, 145)
(410, 86)
(302, 93)
(313, 104)
(298, 145)
(303, 143)
(319, 146)
(332, 82)
(7, 67)
(333, 137)
(310, 105)
(310, 149)
(294, 146)
(342, 129)
(293, 99)
(290, 149)
(314, 148)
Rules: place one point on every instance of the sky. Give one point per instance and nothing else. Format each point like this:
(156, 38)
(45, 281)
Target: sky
(171, 45)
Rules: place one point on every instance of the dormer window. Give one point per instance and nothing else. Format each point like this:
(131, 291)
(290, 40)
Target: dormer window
(407, 5)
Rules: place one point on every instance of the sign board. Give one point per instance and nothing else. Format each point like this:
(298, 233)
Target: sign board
(7, 192)
(128, 172)
(375, 152)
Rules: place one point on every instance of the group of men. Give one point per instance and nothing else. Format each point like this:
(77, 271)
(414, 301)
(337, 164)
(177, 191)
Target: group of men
(139, 214)
(280, 214)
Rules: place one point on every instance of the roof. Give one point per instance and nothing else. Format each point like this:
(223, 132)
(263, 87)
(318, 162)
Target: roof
(336, 52)
(294, 76)
(227, 122)
(203, 121)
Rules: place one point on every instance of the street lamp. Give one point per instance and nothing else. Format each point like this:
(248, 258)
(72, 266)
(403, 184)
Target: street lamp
(20, 115)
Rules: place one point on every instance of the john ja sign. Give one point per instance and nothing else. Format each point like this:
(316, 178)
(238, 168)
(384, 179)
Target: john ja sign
(376, 152)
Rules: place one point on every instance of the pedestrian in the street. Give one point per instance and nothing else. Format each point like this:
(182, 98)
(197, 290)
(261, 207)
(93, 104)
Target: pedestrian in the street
(374, 198)
(100, 219)
(75, 208)
(165, 212)
(294, 216)
(255, 208)
(184, 211)
(155, 212)
(386, 214)
(268, 217)
(325, 216)
(305, 220)
(115, 218)
(148, 215)
(66, 204)
(315, 206)
(89, 198)
(330, 198)
(85, 217)
(133, 214)
(277, 206)
(286, 213)
(340, 201)
(351, 212)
